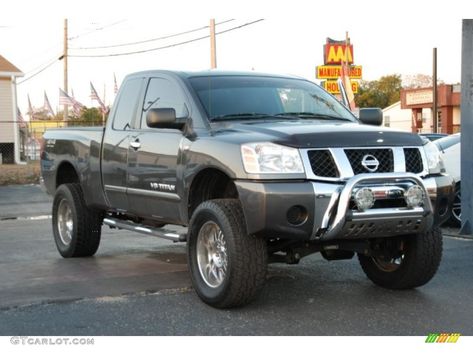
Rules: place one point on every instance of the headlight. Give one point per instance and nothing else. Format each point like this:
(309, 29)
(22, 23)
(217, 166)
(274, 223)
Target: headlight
(270, 158)
(434, 158)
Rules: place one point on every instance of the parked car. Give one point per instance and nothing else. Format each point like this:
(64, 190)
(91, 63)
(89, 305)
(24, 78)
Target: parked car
(450, 148)
(259, 168)
(433, 136)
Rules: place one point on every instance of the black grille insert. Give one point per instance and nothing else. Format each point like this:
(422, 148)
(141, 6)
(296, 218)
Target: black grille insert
(413, 160)
(322, 163)
(384, 157)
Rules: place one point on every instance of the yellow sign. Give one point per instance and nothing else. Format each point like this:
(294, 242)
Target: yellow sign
(332, 86)
(334, 71)
(335, 52)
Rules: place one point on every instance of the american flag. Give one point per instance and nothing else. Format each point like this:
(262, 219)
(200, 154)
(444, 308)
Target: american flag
(76, 106)
(115, 86)
(47, 106)
(30, 110)
(65, 99)
(20, 118)
(95, 96)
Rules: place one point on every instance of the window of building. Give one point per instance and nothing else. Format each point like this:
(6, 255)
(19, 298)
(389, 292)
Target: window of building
(387, 121)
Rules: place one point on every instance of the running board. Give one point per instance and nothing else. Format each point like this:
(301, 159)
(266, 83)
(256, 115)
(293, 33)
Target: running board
(143, 229)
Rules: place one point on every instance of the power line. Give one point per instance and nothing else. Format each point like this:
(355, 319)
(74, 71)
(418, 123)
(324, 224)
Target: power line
(40, 71)
(163, 47)
(49, 63)
(237, 27)
(41, 65)
(96, 29)
(149, 40)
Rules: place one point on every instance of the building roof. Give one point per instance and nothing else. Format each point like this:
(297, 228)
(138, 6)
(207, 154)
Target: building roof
(398, 103)
(7, 68)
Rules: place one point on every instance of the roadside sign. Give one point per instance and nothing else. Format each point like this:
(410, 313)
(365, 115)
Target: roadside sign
(332, 86)
(334, 72)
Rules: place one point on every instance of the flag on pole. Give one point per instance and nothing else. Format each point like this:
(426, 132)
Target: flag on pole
(115, 86)
(30, 110)
(76, 106)
(65, 99)
(20, 118)
(95, 96)
(47, 106)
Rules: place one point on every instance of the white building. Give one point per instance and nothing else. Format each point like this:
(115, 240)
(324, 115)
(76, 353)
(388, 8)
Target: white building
(395, 117)
(9, 134)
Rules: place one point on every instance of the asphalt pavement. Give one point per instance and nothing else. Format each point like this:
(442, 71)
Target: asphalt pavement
(23, 201)
(137, 285)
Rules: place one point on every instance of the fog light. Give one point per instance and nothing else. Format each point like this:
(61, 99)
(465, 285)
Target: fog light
(297, 215)
(364, 199)
(414, 196)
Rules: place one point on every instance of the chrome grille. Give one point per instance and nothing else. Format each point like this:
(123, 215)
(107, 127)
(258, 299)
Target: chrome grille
(413, 160)
(384, 156)
(322, 163)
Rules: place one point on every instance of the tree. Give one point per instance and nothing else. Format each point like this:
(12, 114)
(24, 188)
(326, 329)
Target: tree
(91, 115)
(417, 81)
(379, 93)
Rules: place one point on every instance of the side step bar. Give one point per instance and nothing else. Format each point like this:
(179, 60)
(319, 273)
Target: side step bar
(140, 228)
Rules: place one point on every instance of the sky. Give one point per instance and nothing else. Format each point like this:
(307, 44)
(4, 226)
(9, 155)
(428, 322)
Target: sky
(394, 37)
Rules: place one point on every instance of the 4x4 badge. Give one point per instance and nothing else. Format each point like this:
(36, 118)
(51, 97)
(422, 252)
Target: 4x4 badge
(370, 163)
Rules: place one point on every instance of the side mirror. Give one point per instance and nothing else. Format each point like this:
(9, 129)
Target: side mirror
(163, 118)
(371, 116)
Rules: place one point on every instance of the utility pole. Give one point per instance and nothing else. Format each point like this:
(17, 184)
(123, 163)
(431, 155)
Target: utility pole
(467, 128)
(435, 122)
(213, 45)
(66, 108)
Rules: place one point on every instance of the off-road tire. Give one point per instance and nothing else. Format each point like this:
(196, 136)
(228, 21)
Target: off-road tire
(247, 255)
(86, 223)
(421, 260)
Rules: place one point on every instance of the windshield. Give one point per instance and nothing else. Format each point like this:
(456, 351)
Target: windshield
(258, 97)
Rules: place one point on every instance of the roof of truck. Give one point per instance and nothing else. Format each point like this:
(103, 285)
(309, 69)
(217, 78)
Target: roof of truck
(212, 72)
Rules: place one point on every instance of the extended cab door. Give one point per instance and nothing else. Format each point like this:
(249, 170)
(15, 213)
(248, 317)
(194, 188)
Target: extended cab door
(153, 156)
(116, 143)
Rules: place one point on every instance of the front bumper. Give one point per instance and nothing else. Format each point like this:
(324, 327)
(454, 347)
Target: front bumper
(329, 215)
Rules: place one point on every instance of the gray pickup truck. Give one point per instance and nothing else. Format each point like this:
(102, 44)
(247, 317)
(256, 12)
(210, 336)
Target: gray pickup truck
(259, 168)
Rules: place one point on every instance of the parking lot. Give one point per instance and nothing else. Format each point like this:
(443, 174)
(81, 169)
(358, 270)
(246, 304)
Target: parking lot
(137, 285)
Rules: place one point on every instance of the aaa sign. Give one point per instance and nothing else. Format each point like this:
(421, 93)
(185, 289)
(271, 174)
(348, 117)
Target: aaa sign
(335, 52)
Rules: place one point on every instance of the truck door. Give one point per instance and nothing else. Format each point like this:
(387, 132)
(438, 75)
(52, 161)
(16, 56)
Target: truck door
(153, 156)
(116, 143)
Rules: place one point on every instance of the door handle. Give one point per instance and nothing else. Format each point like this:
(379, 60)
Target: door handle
(135, 144)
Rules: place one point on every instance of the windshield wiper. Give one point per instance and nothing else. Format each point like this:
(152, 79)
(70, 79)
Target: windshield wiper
(239, 116)
(309, 115)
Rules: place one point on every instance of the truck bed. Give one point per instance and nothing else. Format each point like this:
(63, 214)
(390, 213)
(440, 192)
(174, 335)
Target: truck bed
(80, 147)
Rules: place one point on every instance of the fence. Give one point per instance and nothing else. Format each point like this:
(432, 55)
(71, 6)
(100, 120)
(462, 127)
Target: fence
(30, 135)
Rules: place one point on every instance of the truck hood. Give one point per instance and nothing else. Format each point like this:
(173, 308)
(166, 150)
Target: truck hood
(317, 134)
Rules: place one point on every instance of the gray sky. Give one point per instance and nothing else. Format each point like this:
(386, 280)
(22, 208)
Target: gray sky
(388, 37)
